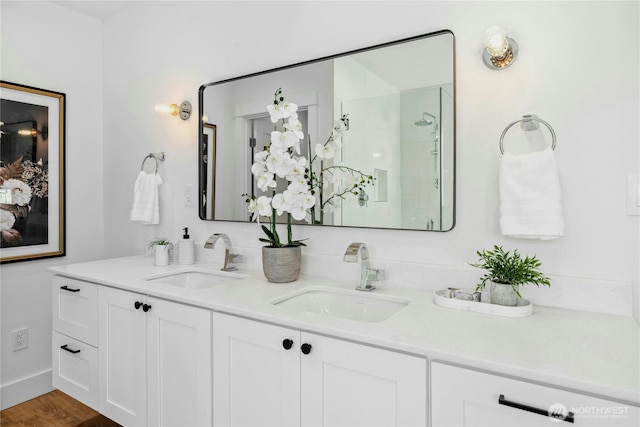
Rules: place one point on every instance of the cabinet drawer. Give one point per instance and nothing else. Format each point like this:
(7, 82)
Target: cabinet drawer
(75, 369)
(75, 309)
(461, 396)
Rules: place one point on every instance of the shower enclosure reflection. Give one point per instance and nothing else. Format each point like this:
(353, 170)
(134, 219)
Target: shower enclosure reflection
(384, 135)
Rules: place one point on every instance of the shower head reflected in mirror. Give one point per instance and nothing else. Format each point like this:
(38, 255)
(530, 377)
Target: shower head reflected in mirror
(425, 121)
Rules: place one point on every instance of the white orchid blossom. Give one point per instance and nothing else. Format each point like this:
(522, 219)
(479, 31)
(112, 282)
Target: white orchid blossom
(295, 126)
(307, 188)
(326, 151)
(266, 181)
(264, 206)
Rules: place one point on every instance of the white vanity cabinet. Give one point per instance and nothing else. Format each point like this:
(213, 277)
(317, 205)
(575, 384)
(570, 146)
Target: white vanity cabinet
(268, 375)
(75, 339)
(155, 360)
(461, 396)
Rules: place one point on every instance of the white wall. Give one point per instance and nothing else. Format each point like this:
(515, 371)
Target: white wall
(164, 52)
(592, 105)
(50, 47)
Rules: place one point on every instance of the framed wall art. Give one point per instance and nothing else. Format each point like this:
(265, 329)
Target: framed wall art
(32, 217)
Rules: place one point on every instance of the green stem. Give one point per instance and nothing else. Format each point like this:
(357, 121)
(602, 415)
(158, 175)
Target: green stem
(289, 234)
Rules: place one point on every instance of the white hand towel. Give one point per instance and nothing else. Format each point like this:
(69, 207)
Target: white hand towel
(145, 206)
(530, 196)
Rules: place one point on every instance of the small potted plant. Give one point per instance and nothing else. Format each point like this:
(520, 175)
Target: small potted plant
(160, 247)
(506, 271)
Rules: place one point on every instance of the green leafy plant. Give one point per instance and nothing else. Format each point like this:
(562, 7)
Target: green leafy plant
(161, 241)
(510, 269)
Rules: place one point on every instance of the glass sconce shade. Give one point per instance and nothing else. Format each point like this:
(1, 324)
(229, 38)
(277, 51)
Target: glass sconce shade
(500, 51)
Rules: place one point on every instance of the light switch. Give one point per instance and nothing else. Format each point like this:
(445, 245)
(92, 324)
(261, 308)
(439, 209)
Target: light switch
(633, 194)
(188, 195)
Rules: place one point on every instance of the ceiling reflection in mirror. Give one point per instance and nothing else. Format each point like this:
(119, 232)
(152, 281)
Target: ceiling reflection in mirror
(394, 165)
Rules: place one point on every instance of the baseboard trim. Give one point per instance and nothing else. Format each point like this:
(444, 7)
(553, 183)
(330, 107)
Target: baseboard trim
(25, 389)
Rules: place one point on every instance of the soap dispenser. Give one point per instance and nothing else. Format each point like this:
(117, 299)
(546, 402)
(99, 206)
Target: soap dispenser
(186, 249)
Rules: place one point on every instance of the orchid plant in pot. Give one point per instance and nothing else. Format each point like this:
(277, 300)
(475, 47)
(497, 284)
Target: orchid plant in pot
(280, 161)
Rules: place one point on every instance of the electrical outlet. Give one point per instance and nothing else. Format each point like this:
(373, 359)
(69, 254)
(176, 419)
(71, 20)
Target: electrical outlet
(20, 339)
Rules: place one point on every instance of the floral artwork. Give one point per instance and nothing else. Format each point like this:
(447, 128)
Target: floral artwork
(307, 186)
(30, 219)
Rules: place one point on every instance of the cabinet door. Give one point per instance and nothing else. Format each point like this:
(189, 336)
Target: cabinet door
(464, 397)
(178, 364)
(256, 379)
(122, 357)
(348, 384)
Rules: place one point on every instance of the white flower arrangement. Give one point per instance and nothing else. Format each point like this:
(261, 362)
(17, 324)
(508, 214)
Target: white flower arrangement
(305, 189)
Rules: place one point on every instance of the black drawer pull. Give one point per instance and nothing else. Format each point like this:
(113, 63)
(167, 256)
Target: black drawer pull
(66, 288)
(64, 347)
(568, 417)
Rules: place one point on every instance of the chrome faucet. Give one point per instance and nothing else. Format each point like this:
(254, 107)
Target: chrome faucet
(229, 256)
(367, 275)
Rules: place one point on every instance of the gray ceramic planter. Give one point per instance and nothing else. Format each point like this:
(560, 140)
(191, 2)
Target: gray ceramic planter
(502, 294)
(281, 265)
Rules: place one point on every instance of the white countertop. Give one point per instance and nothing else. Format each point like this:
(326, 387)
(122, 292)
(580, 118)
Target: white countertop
(594, 353)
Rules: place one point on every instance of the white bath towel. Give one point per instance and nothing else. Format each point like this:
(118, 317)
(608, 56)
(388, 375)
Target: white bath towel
(145, 206)
(530, 196)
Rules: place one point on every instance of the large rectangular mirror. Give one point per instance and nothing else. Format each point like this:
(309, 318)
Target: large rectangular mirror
(398, 100)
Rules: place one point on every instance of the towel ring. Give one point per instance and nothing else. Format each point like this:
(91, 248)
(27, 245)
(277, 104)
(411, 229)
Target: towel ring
(154, 156)
(528, 124)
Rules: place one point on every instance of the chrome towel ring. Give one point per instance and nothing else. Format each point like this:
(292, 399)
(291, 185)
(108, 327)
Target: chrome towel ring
(154, 156)
(529, 123)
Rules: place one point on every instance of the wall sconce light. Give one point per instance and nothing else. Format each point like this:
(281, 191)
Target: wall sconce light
(183, 110)
(499, 51)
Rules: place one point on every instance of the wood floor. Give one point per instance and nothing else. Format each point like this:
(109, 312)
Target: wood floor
(54, 409)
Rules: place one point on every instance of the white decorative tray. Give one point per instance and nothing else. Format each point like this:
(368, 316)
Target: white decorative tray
(523, 309)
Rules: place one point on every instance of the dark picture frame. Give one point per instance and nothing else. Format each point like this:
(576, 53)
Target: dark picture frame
(32, 172)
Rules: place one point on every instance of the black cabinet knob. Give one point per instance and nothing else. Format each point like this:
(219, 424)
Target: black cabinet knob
(305, 348)
(287, 344)
(146, 307)
(137, 305)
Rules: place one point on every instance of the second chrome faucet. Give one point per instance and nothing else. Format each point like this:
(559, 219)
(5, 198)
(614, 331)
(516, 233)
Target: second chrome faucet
(367, 275)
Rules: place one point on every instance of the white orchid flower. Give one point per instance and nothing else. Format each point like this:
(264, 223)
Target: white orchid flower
(297, 169)
(296, 187)
(253, 206)
(266, 181)
(279, 204)
(285, 167)
(298, 213)
(326, 151)
(337, 137)
(261, 156)
(295, 126)
(308, 200)
(283, 140)
(258, 169)
(290, 109)
(264, 206)
(276, 112)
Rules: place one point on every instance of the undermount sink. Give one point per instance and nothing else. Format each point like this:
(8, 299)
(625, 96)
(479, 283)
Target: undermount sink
(347, 304)
(194, 279)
